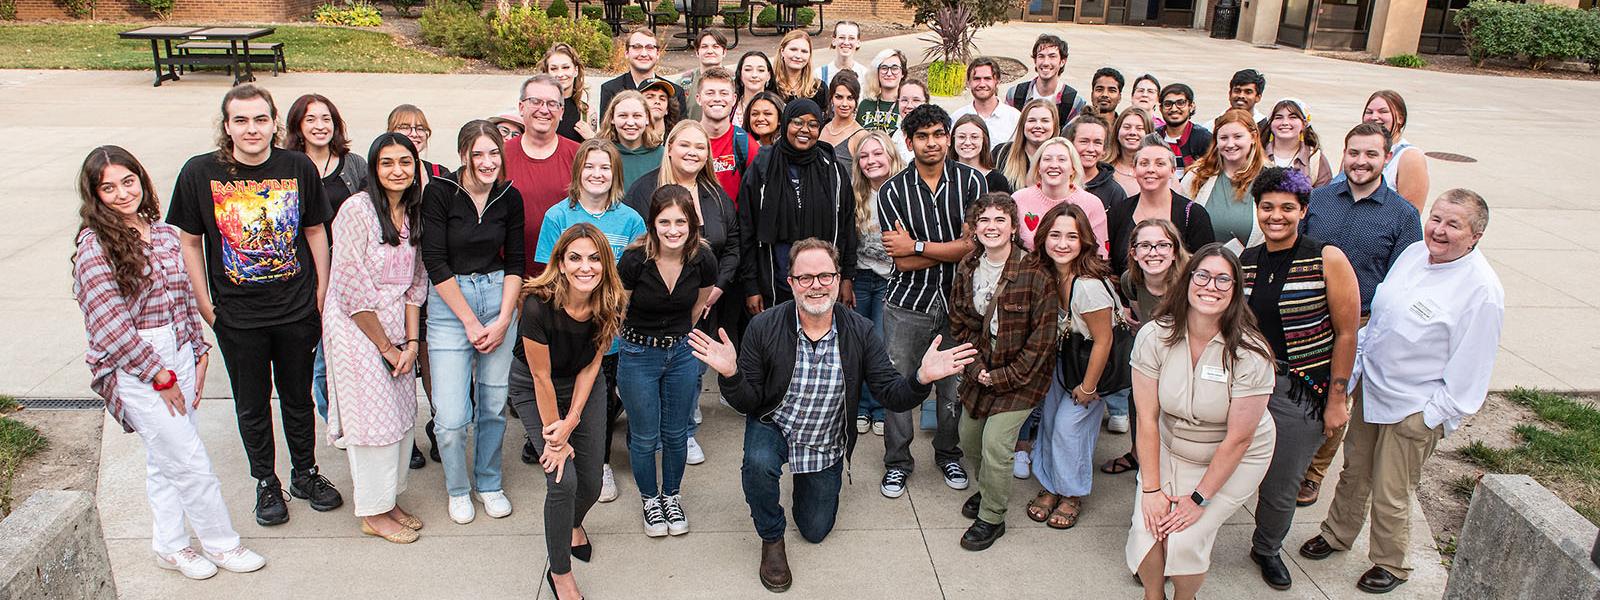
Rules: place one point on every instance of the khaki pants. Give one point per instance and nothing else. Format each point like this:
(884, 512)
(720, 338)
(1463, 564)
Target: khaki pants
(1330, 447)
(1382, 465)
(990, 443)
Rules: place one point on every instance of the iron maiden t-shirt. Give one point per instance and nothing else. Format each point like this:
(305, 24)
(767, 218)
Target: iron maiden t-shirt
(254, 218)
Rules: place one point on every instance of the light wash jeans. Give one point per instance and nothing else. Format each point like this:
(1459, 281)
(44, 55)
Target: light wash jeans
(469, 388)
(319, 383)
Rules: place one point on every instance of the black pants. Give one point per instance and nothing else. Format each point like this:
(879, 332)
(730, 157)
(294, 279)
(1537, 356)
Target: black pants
(256, 359)
(608, 371)
(567, 502)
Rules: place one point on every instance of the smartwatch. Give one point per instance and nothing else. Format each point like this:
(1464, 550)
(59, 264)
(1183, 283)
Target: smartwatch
(1197, 498)
(918, 247)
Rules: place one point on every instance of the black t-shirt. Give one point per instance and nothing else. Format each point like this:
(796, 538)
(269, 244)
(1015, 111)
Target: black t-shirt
(254, 218)
(1268, 289)
(336, 192)
(571, 342)
(652, 310)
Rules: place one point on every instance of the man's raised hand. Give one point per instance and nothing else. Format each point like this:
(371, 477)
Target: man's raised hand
(938, 364)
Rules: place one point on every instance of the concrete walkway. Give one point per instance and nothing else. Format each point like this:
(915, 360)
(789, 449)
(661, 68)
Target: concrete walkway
(1540, 240)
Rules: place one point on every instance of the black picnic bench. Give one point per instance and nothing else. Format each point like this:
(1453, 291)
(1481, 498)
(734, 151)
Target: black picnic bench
(207, 46)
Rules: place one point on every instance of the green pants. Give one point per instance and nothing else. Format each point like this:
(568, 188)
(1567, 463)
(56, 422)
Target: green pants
(990, 444)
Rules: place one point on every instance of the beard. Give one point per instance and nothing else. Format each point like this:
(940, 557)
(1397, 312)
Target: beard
(816, 308)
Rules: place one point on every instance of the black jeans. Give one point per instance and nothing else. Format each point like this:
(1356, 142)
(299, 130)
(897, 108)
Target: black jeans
(567, 502)
(608, 371)
(256, 359)
(816, 495)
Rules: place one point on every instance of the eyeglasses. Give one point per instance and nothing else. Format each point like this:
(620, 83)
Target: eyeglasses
(805, 281)
(1147, 247)
(1202, 279)
(551, 105)
(1178, 103)
(416, 129)
(888, 68)
(645, 47)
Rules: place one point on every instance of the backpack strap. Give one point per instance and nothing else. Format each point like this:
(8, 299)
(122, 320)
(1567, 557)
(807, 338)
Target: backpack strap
(1019, 94)
(741, 149)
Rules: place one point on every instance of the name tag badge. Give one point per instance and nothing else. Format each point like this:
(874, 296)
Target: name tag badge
(1425, 309)
(1216, 374)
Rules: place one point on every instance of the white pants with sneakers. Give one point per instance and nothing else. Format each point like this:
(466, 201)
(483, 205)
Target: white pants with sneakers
(178, 477)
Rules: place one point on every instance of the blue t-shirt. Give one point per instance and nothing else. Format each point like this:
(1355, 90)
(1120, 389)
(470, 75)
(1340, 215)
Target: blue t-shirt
(620, 224)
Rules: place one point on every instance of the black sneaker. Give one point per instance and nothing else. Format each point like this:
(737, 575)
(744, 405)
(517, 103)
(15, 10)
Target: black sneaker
(954, 475)
(312, 486)
(417, 460)
(894, 483)
(969, 509)
(270, 508)
(530, 455)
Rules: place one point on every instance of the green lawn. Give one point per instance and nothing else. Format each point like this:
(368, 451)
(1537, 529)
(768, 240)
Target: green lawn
(308, 48)
(1562, 453)
(18, 441)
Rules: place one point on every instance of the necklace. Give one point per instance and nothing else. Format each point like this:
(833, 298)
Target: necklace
(833, 132)
(324, 170)
(1272, 265)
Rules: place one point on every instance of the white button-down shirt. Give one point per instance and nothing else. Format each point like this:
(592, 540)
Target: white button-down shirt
(1002, 123)
(1430, 344)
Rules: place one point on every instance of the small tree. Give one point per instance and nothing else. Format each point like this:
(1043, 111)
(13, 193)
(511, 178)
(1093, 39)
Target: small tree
(951, 46)
(984, 12)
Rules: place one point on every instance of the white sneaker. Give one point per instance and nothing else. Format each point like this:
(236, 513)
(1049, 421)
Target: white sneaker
(461, 509)
(608, 484)
(1021, 465)
(672, 508)
(655, 521)
(188, 562)
(696, 414)
(495, 504)
(1117, 424)
(863, 424)
(877, 428)
(696, 455)
(238, 560)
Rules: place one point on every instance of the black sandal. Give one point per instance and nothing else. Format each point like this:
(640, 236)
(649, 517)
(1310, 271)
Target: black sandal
(1120, 464)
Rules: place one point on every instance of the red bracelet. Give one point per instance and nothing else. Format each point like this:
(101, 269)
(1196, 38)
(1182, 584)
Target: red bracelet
(172, 380)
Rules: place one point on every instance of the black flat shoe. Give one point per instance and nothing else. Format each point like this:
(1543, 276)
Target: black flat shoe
(1316, 548)
(433, 442)
(969, 509)
(1378, 580)
(1273, 571)
(417, 460)
(981, 535)
(585, 551)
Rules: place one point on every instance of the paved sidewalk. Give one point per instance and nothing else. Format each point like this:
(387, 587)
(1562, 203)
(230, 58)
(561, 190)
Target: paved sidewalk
(1541, 240)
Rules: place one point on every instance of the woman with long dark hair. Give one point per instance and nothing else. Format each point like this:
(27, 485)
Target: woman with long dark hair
(670, 274)
(1201, 377)
(969, 143)
(751, 76)
(370, 326)
(562, 63)
(1291, 142)
(474, 255)
(761, 115)
(841, 130)
(570, 315)
(148, 356)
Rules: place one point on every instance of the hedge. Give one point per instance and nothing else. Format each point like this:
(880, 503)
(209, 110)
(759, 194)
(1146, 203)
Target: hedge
(518, 38)
(1538, 33)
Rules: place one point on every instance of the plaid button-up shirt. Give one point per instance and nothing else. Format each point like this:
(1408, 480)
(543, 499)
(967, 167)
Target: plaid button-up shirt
(812, 413)
(1021, 356)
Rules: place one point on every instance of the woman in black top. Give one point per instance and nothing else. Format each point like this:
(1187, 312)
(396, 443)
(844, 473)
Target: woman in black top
(670, 274)
(570, 314)
(1153, 166)
(796, 189)
(561, 61)
(473, 252)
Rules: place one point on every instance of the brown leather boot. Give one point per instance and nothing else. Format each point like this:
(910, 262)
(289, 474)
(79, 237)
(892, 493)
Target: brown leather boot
(775, 567)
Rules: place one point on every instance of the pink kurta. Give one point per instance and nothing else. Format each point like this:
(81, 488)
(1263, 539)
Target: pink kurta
(366, 406)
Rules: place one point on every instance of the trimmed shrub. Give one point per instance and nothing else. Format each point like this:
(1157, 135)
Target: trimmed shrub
(633, 14)
(1538, 33)
(768, 16)
(162, 8)
(594, 12)
(352, 13)
(77, 9)
(1407, 61)
(734, 16)
(456, 27)
(558, 10)
(521, 36)
(8, 10)
(403, 7)
(666, 13)
(805, 16)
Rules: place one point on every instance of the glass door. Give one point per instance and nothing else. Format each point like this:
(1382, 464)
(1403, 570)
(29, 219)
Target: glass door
(1091, 11)
(1294, 27)
(1040, 10)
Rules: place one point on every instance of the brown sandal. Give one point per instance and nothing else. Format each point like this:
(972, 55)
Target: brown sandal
(1068, 510)
(1042, 505)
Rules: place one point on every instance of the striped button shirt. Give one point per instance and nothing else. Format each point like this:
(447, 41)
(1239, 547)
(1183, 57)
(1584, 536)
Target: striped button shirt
(930, 215)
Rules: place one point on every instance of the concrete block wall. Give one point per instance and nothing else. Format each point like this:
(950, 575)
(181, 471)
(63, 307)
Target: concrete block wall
(1521, 542)
(51, 548)
(192, 11)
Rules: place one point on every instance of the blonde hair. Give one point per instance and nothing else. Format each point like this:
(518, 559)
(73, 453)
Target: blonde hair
(1114, 150)
(1018, 162)
(668, 175)
(608, 128)
(863, 187)
(575, 189)
(1210, 164)
(802, 85)
(608, 299)
(873, 88)
(1076, 178)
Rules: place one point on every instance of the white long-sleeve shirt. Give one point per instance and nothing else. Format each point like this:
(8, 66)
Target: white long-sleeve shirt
(1430, 344)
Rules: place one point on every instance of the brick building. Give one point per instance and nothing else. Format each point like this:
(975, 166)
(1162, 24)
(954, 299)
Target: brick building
(245, 11)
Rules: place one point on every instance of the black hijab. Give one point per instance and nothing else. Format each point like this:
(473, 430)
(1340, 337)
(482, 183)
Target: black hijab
(805, 210)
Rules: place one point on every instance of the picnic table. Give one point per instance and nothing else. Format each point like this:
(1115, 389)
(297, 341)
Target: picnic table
(236, 55)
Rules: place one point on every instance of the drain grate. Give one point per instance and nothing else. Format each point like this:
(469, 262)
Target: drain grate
(62, 403)
(1450, 156)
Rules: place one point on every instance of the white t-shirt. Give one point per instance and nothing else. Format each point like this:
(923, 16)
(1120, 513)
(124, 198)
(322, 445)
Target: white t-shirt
(1088, 295)
(1002, 123)
(985, 279)
(827, 70)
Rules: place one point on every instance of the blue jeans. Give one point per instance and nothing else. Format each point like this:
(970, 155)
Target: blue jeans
(1117, 402)
(319, 383)
(659, 388)
(816, 495)
(469, 388)
(870, 290)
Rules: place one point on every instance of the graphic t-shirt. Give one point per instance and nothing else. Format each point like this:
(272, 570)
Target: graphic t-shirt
(724, 162)
(254, 219)
(878, 115)
(542, 183)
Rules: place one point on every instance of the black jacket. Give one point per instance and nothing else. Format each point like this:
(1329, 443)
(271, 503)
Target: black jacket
(1191, 219)
(720, 228)
(1105, 187)
(766, 364)
(757, 263)
(625, 82)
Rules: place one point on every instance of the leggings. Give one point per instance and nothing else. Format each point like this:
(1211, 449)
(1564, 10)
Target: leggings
(567, 502)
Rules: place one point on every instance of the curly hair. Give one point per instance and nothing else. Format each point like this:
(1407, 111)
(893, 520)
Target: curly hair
(122, 245)
(1281, 179)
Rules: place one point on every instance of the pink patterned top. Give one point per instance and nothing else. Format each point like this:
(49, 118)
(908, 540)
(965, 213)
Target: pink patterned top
(366, 406)
(112, 321)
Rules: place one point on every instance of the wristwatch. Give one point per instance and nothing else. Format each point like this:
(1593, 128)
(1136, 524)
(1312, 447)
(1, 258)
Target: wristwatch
(1197, 498)
(918, 247)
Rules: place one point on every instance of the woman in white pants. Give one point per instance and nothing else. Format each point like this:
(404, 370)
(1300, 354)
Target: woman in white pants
(148, 358)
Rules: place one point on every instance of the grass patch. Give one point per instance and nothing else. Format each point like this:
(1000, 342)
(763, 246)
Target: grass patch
(18, 441)
(307, 47)
(1562, 452)
(1463, 486)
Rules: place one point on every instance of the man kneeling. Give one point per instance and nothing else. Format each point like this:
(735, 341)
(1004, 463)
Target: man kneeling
(799, 393)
